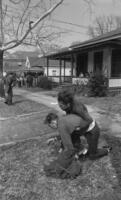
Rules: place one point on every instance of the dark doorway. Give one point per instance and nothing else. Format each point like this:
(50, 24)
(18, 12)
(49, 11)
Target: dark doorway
(82, 62)
(98, 62)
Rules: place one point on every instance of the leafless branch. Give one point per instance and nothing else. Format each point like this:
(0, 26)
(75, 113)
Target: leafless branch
(15, 1)
(22, 17)
(104, 24)
(30, 28)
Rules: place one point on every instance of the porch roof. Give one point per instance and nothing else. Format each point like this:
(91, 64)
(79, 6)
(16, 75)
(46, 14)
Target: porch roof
(113, 37)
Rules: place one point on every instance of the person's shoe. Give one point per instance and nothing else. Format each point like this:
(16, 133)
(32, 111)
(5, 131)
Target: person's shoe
(83, 157)
(108, 148)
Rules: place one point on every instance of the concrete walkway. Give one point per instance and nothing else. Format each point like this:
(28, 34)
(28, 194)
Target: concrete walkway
(106, 122)
(49, 101)
(39, 97)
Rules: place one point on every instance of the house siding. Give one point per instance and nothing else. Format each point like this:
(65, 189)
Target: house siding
(115, 83)
(57, 70)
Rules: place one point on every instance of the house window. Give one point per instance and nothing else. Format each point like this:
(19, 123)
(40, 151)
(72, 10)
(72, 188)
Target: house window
(116, 63)
(53, 72)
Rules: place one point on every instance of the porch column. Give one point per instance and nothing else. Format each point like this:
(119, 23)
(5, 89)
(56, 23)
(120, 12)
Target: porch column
(90, 61)
(72, 66)
(107, 62)
(60, 74)
(64, 68)
(47, 67)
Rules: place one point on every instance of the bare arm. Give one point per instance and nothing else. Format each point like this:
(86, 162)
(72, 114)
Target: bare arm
(80, 109)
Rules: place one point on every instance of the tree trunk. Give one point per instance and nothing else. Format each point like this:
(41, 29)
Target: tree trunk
(2, 94)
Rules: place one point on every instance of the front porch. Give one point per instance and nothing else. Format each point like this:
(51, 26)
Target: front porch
(101, 55)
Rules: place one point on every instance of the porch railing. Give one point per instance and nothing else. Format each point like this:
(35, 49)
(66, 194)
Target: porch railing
(69, 79)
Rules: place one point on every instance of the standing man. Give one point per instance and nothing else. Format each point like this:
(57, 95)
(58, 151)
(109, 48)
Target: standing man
(9, 83)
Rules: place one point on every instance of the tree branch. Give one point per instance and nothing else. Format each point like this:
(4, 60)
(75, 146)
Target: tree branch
(30, 28)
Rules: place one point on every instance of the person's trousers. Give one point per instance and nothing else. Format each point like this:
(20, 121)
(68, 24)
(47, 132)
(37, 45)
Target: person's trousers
(92, 139)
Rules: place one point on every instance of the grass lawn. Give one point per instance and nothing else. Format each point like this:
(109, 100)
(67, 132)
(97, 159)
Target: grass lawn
(22, 176)
(21, 165)
(116, 154)
(24, 119)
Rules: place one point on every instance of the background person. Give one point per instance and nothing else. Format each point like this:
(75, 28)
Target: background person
(9, 83)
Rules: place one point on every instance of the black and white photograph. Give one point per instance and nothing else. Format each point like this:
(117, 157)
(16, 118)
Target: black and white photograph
(60, 99)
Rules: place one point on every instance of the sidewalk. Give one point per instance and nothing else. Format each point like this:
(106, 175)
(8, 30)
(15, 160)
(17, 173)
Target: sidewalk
(47, 100)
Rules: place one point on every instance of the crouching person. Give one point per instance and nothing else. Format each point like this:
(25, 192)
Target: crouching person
(71, 127)
(71, 103)
(77, 117)
(67, 164)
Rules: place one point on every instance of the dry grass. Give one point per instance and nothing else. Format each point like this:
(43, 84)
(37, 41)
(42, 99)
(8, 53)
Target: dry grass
(22, 176)
(21, 165)
(116, 154)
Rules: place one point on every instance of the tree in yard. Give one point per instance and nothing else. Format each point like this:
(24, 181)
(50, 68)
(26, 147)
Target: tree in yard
(20, 21)
(104, 24)
(24, 22)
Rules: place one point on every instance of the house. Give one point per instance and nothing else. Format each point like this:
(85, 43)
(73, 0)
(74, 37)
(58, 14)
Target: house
(13, 64)
(54, 72)
(101, 54)
(34, 64)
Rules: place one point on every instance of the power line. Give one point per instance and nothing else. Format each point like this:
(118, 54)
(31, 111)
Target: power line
(63, 22)
(67, 29)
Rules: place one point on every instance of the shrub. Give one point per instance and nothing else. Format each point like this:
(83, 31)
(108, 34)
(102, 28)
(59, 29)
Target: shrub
(45, 83)
(81, 89)
(98, 85)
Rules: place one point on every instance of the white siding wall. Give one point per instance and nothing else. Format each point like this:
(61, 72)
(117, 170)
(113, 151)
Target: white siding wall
(57, 71)
(115, 82)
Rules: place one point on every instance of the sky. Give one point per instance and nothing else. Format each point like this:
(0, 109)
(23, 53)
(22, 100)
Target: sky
(81, 16)
(75, 16)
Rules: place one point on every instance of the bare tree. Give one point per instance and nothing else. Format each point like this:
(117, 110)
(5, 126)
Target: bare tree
(25, 22)
(19, 20)
(104, 24)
